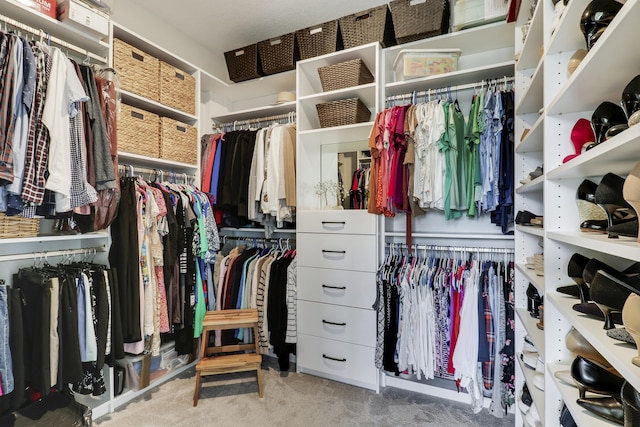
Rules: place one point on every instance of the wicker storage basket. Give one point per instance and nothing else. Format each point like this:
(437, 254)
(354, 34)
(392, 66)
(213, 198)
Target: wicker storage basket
(177, 88)
(17, 226)
(372, 25)
(319, 39)
(138, 132)
(244, 63)
(279, 54)
(344, 74)
(342, 112)
(179, 142)
(138, 71)
(419, 19)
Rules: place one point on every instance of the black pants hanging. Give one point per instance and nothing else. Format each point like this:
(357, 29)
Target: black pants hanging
(36, 293)
(123, 256)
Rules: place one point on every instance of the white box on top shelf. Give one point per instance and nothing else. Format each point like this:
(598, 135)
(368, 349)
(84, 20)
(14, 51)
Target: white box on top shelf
(83, 17)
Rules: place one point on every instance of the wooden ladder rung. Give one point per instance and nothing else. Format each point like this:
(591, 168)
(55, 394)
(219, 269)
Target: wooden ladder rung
(249, 361)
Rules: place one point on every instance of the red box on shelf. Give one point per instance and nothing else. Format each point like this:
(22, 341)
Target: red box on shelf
(46, 7)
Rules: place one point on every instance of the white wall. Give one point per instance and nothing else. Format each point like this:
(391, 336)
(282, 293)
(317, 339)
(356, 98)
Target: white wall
(150, 26)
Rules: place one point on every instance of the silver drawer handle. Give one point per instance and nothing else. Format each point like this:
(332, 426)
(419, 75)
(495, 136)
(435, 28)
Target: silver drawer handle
(334, 323)
(325, 251)
(340, 288)
(333, 222)
(333, 358)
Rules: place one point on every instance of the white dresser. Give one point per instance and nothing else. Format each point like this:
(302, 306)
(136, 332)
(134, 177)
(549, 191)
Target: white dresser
(337, 263)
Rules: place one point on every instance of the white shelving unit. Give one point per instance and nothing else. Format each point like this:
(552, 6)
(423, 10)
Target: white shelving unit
(529, 135)
(561, 100)
(156, 107)
(16, 10)
(327, 239)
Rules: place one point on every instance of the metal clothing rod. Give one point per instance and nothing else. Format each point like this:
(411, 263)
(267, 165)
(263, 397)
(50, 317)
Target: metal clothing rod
(453, 248)
(44, 36)
(40, 255)
(290, 117)
(131, 170)
(444, 90)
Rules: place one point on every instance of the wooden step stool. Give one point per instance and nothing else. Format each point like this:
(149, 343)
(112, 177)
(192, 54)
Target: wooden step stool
(208, 364)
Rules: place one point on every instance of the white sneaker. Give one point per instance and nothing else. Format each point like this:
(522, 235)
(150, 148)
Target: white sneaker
(538, 381)
(533, 418)
(540, 366)
(528, 348)
(530, 359)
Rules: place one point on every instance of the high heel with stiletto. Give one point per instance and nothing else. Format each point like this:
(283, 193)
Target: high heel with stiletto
(592, 216)
(590, 377)
(581, 136)
(608, 196)
(575, 268)
(610, 292)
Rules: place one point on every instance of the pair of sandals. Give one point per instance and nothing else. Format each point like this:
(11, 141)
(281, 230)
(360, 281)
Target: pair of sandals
(532, 175)
(528, 218)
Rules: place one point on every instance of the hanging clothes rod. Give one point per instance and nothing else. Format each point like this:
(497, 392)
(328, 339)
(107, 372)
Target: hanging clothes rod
(451, 248)
(445, 90)
(290, 117)
(44, 255)
(130, 170)
(46, 37)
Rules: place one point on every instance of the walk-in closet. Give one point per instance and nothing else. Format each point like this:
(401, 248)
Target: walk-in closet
(412, 212)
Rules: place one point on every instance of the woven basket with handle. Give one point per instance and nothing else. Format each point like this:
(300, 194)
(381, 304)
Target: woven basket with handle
(419, 19)
(343, 112)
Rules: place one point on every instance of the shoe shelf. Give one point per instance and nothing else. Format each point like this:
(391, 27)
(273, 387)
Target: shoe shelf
(533, 230)
(604, 57)
(616, 155)
(569, 394)
(529, 323)
(533, 186)
(624, 247)
(567, 34)
(618, 353)
(530, 54)
(532, 142)
(537, 395)
(531, 100)
(532, 277)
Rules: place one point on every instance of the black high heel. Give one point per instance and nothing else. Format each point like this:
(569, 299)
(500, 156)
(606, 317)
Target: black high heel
(595, 379)
(575, 269)
(609, 197)
(610, 291)
(608, 408)
(534, 301)
(630, 405)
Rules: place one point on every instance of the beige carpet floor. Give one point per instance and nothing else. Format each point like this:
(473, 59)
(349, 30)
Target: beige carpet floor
(290, 399)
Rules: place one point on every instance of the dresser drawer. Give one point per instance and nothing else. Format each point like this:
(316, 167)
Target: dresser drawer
(338, 222)
(352, 325)
(339, 251)
(350, 363)
(342, 287)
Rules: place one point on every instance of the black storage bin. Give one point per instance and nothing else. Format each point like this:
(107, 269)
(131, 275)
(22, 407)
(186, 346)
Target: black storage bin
(243, 64)
(371, 25)
(319, 39)
(419, 19)
(279, 54)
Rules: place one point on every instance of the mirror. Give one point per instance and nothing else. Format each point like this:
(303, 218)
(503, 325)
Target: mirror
(345, 175)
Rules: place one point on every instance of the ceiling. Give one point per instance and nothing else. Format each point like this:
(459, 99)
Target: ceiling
(223, 25)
